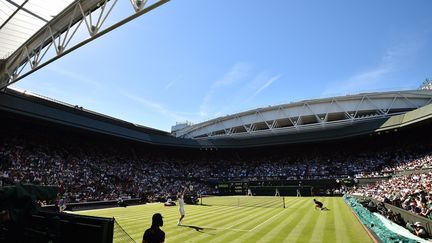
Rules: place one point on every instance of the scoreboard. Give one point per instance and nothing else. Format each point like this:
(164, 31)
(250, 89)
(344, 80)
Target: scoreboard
(234, 187)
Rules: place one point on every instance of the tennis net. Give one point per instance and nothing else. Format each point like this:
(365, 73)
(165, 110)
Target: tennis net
(120, 235)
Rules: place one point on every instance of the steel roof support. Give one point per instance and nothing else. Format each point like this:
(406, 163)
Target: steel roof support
(409, 102)
(289, 118)
(357, 107)
(376, 107)
(58, 31)
(318, 120)
(138, 5)
(263, 119)
(347, 114)
(391, 105)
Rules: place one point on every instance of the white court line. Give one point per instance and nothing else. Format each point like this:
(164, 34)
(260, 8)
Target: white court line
(185, 225)
(129, 219)
(208, 227)
(242, 230)
(110, 208)
(234, 229)
(267, 220)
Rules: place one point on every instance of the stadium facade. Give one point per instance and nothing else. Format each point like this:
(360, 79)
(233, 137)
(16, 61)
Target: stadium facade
(298, 122)
(44, 33)
(309, 115)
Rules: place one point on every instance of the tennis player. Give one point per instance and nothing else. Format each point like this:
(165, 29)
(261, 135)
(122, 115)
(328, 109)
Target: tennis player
(319, 205)
(180, 197)
(277, 194)
(61, 205)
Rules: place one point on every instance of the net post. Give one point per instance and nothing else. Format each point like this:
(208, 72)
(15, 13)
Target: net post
(201, 197)
(283, 200)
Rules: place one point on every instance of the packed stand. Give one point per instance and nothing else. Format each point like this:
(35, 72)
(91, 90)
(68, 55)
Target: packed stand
(93, 171)
(85, 175)
(411, 192)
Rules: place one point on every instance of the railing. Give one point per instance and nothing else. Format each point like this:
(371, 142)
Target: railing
(94, 205)
(407, 216)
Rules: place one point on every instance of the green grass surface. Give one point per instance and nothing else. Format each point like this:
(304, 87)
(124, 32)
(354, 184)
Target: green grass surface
(298, 222)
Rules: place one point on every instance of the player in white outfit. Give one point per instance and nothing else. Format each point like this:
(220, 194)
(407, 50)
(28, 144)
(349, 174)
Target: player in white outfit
(180, 197)
(61, 205)
(277, 194)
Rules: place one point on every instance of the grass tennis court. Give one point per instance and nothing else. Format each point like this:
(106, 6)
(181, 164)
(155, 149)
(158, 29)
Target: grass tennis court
(298, 222)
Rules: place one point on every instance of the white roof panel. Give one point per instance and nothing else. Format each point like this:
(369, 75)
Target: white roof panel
(28, 29)
(21, 19)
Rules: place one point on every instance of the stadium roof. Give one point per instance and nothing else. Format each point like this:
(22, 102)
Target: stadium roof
(308, 115)
(21, 19)
(34, 33)
(26, 106)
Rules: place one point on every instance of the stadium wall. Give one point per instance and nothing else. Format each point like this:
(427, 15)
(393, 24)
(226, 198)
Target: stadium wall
(35, 107)
(30, 106)
(417, 116)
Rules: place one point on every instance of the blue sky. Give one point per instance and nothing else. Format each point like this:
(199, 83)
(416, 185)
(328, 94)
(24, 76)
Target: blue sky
(199, 59)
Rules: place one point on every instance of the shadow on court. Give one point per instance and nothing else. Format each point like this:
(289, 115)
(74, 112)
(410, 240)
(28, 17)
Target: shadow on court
(207, 205)
(199, 229)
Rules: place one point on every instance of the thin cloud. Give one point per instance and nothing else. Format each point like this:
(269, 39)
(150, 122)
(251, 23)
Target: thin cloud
(169, 85)
(236, 74)
(49, 88)
(252, 87)
(155, 106)
(267, 84)
(359, 82)
(75, 76)
(394, 59)
(261, 82)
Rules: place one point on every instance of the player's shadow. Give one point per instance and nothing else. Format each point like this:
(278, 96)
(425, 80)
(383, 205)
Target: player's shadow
(199, 229)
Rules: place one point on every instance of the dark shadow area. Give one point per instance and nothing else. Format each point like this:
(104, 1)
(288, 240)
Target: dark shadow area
(207, 205)
(200, 229)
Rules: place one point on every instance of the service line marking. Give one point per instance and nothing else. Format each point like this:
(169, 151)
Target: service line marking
(267, 220)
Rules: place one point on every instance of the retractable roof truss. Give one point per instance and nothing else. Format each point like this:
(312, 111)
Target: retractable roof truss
(54, 39)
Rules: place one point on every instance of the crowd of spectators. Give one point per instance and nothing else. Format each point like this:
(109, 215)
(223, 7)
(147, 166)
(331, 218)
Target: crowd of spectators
(92, 171)
(410, 192)
(91, 174)
(402, 160)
